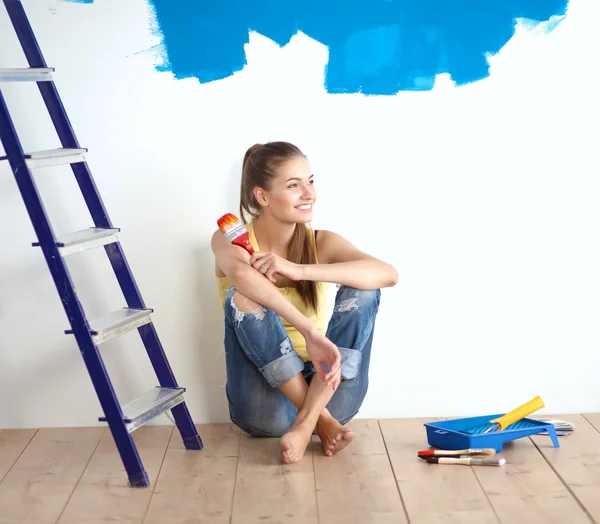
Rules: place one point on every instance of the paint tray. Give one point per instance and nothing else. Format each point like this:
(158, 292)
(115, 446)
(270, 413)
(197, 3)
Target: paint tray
(466, 433)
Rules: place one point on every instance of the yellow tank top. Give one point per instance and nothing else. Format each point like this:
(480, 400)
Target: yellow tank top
(318, 317)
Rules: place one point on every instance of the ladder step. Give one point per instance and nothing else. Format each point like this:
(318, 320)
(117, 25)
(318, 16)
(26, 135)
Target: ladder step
(117, 323)
(86, 239)
(149, 406)
(55, 157)
(26, 74)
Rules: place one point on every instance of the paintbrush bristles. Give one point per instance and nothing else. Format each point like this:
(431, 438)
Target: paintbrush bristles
(483, 452)
(231, 226)
(228, 221)
(235, 232)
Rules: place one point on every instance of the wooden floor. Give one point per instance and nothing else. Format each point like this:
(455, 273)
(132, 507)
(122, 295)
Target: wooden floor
(75, 476)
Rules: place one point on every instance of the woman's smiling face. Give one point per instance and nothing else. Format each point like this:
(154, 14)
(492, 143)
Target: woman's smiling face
(292, 194)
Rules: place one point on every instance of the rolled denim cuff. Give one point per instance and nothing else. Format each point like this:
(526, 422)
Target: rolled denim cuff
(351, 359)
(283, 369)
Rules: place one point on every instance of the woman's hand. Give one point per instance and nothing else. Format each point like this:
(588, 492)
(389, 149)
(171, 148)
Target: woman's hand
(322, 351)
(269, 264)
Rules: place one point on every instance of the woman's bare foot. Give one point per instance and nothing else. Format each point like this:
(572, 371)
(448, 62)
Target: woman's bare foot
(294, 443)
(333, 435)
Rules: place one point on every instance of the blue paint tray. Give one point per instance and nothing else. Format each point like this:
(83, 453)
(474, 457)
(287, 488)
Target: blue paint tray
(466, 433)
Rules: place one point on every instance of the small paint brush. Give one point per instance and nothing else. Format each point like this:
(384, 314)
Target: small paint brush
(235, 232)
(468, 461)
(483, 452)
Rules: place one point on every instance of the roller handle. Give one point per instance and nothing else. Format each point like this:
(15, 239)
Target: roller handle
(517, 414)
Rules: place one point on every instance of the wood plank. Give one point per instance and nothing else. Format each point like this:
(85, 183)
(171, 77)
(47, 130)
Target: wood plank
(431, 492)
(357, 485)
(577, 461)
(593, 419)
(12, 444)
(103, 493)
(269, 491)
(526, 489)
(220, 440)
(196, 487)
(40, 483)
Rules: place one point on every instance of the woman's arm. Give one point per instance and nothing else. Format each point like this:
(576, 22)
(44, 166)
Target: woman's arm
(342, 263)
(235, 263)
(339, 262)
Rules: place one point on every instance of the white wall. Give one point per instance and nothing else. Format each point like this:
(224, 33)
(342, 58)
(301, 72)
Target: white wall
(485, 198)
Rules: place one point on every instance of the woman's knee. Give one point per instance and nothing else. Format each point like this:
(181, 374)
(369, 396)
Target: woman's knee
(350, 299)
(242, 306)
(261, 336)
(239, 307)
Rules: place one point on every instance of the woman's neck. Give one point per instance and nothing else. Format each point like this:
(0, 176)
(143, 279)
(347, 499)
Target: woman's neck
(273, 236)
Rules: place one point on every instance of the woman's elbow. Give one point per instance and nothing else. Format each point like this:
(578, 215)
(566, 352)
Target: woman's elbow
(239, 272)
(392, 276)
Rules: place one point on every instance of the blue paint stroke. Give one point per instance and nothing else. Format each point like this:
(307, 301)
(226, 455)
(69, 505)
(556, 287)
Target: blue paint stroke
(80, 1)
(376, 47)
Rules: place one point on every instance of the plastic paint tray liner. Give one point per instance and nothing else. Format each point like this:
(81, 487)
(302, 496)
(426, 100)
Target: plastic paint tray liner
(466, 433)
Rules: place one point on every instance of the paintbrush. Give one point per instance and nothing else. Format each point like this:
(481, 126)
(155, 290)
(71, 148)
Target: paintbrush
(482, 452)
(235, 232)
(468, 461)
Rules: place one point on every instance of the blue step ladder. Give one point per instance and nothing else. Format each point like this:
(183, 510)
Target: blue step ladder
(122, 420)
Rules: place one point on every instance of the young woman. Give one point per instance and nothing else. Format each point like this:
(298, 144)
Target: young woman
(289, 374)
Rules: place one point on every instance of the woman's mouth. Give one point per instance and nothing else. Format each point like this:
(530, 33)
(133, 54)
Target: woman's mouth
(304, 207)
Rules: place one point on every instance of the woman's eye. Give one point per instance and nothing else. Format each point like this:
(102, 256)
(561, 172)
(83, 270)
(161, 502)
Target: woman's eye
(294, 185)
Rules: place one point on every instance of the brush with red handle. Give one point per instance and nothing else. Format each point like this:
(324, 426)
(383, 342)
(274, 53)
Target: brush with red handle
(234, 231)
(482, 452)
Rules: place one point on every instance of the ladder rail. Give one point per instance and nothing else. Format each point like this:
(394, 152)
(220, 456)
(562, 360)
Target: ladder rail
(100, 217)
(68, 139)
(72, 305)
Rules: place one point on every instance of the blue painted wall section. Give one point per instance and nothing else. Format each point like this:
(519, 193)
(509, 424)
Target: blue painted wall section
(376, 47)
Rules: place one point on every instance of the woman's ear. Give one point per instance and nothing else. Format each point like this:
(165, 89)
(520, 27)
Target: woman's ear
(261, 196)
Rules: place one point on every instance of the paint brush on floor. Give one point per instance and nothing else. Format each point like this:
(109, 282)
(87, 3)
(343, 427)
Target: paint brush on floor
(468, 461)
(562, 427)
(481, 452)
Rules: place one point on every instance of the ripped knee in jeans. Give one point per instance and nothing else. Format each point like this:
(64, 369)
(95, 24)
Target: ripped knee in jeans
(246, 307)
(347, 304)
(350, 299)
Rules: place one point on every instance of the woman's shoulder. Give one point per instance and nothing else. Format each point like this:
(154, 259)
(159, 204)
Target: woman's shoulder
(323, 238)
(333, 247)
(324, 235)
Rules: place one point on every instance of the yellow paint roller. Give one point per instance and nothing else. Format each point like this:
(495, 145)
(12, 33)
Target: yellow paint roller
(515, 415)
